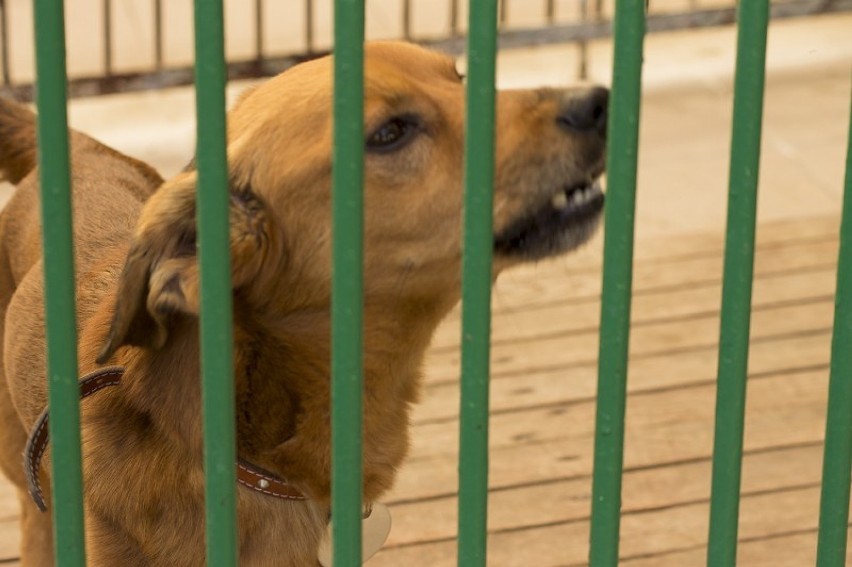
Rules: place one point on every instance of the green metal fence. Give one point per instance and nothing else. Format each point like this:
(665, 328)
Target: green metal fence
(216, 337)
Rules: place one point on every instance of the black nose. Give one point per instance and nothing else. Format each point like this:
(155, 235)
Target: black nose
(585, 112)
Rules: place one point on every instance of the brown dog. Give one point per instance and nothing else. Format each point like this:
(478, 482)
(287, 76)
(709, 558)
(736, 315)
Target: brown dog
(137, 293)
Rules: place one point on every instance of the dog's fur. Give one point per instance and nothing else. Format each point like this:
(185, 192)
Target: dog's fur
(137, 297)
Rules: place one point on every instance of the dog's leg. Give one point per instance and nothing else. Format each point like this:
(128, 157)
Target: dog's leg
(36, 530)
(36, 534)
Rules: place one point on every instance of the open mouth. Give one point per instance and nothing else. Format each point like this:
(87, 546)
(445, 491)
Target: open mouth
(563, 224)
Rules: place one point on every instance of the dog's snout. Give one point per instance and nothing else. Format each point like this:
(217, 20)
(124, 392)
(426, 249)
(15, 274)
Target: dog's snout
(586, 112)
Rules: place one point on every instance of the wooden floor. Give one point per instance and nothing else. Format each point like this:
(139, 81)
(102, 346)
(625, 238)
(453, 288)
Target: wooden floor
(542, 419)
(543, 393)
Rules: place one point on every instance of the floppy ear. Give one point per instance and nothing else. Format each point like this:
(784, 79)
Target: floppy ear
(161, 278)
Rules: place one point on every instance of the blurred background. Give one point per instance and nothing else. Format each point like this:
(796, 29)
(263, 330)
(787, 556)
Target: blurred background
(131, 45)
(129, 62)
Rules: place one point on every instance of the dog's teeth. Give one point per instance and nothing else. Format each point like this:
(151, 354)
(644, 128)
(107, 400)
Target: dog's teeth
(575, 197)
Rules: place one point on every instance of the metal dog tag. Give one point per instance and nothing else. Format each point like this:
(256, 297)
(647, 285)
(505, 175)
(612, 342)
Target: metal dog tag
(374, 532)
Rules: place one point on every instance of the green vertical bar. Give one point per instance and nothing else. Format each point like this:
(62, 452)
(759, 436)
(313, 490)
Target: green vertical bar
(347, 285)
(215, 262)
(57, 234)
(837, 459)
(476, 283)
(752, 18)
(622, 157)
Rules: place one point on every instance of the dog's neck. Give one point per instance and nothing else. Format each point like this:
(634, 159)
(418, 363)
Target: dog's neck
(282, 381)
(288, 382)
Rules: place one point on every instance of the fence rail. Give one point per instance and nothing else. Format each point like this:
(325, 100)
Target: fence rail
(837, 456)
(214, 258)
(737, 282)
(476, 286)
(616, 293)
(60, 315)
(592, 22)
(347, 313)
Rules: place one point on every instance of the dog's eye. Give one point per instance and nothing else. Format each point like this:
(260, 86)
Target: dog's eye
(392, 135)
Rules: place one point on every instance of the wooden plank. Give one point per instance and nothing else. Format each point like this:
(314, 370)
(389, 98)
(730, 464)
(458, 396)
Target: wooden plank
(568, 500)
(563, 385)
(644, 533)
(567, 317)
(773, 234)
(783, 550)
(560, 280)
(646, 340)
(770, 235)
(541, 444)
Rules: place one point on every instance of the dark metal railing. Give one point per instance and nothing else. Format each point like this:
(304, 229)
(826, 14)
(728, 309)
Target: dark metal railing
(590, 23)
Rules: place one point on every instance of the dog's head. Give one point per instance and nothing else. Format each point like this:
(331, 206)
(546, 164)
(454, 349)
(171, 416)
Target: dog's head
(549, 153)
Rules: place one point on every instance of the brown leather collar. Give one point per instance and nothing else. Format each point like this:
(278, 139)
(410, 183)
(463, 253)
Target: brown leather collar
(248, 475)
